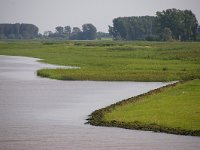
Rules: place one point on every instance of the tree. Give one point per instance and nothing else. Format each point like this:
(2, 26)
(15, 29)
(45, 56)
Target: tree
(198, 30)
(133, 28)
(59, 30)
(191, 25)
(89, 32)
(47, 33)
(182, 23)
(17, 30)
(76, 33)
(67, 31)
(114, 33)
(28, 31)
(102, 35)
(167, 34)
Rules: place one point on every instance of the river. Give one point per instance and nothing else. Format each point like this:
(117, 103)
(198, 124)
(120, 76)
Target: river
(38, 113)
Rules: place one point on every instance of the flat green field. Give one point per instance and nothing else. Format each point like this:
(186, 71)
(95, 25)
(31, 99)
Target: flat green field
(173, 109)
(113, 61)
(170, 110)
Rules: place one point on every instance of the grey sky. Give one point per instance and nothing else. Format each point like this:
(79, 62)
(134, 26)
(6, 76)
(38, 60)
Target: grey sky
(47, 14)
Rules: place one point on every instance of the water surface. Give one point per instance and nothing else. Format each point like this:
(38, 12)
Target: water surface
(38, 113)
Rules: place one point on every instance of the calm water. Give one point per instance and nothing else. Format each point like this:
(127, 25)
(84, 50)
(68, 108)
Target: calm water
(38, 113)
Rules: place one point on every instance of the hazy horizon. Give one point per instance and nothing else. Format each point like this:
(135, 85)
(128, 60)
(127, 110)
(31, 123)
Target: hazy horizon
(47, 14)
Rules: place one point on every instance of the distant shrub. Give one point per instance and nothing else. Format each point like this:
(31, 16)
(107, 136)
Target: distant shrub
(51, 42)
(126, 48)
(152, 38)
(47, 43)
(165, 69)
(89, 43)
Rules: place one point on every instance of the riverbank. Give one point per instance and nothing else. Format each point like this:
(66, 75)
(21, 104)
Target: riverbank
(112, 61)
(170, 109)
(118, 61)
(49, 114)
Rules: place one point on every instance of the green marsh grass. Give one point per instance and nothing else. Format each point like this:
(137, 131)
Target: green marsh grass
(172, 109)
(111, 60)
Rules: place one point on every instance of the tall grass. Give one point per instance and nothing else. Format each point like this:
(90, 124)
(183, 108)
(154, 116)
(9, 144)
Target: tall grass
(110, 60)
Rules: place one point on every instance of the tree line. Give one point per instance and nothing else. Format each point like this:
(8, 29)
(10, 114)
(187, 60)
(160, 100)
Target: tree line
(166, 25)
(18, 31)
(29, 31)
(170, 24)
(132, 28)
(88, 32)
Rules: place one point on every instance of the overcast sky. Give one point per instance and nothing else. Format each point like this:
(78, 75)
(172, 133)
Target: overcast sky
(47, 14)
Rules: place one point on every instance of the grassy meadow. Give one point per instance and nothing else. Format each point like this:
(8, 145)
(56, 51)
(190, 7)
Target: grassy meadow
(174, 109)
(112, 61)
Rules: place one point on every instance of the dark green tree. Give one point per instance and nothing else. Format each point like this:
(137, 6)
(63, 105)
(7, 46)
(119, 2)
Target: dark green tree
(182, 23)
(67, 31)
(28, 31)
(120, 25)
(16, 28)
(89, 32)
(59, 30)
(103, 35)
(167, 34)
(76, 33)
(13, 31)
(114, 33)
(133, 28)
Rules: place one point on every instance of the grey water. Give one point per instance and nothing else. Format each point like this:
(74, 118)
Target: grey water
(44, 114)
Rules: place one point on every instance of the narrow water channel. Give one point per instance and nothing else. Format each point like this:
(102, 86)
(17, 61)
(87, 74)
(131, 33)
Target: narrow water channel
(38, 113)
